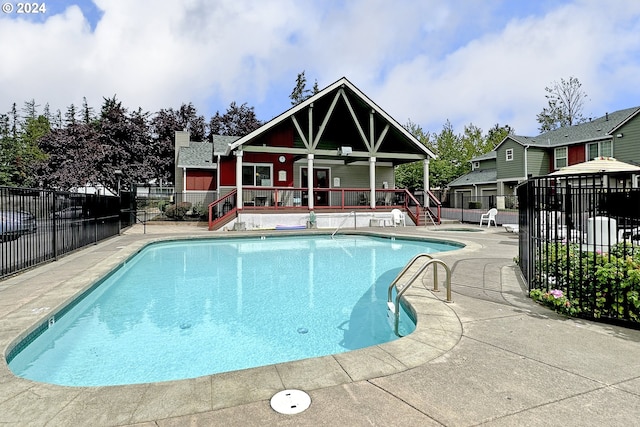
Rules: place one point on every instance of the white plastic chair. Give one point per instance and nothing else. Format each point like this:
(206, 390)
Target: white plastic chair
(398, 217)
(489, 216)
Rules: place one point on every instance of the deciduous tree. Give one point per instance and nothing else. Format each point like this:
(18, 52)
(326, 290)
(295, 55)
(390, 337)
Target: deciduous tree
(236, 121)
(565, 104)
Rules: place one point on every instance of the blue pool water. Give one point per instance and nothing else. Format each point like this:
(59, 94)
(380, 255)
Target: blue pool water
(191, 308)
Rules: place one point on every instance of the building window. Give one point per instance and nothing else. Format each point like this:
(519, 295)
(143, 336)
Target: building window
(257, 175)
(475, 165)
(509, 154)
(560, 157)
(599, 149)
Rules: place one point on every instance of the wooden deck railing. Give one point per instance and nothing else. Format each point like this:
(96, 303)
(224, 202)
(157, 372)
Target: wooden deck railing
(292, 199)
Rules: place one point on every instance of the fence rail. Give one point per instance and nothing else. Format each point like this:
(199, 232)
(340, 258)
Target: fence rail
(465, 201)
(580, 245)
(38, 226)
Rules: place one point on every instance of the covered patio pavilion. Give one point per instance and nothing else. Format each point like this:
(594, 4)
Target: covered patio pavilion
(337, 150)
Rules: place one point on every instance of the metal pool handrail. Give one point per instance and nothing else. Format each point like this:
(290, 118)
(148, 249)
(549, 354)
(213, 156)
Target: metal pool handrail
(394, 306)
(342, 223)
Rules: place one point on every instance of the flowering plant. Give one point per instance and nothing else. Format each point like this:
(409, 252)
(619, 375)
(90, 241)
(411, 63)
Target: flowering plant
(556, 300)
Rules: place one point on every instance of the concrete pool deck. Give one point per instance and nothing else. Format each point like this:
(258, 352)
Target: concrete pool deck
(491, 357)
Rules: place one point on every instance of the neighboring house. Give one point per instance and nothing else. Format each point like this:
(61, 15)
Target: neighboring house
(480, 182)
(615, 135)
(337, 150)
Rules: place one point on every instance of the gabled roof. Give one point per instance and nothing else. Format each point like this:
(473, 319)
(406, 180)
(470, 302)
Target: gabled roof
(323, 97)
(221, 144)
(488, 176)
(201, 155)
(595, 130)
(197, 155)
(486, 156)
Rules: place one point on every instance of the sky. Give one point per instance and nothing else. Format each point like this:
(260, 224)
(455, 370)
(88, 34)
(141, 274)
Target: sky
(424, 61)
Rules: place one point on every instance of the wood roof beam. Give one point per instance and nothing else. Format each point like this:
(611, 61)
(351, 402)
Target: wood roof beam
(355, 120)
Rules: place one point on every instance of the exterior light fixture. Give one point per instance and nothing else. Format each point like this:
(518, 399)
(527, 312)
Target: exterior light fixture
(345, 151)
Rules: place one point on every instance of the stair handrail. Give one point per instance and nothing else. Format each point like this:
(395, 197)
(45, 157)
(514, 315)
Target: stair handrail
(229, 197)
(437, 202)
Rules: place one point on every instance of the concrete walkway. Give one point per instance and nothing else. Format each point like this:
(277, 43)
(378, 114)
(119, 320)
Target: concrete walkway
(492, 357)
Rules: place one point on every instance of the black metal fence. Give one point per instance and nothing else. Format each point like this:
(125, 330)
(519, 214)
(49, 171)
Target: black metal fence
(579, 246)
(467, 208)
(38, 226)
(466, 201)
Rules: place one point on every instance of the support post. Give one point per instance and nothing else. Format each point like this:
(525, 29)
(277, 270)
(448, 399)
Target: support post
(239, 198)
(372, 182)
(425, 179)
(310, 173)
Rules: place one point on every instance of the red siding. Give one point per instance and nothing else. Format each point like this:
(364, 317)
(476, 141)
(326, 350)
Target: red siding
(202, 180)
(228, 171)
(576, 154)
(280, 137)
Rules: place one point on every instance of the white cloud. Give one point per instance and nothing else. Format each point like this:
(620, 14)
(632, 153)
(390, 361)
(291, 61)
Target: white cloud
(500, 77)
(466, 61)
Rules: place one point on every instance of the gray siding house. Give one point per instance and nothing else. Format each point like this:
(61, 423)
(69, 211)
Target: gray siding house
(478, 183)
(518, 157)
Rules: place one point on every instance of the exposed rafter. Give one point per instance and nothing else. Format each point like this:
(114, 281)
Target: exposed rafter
(311, 138)
(355, 119)
(381, 138)
(300, 133)
(327, 117)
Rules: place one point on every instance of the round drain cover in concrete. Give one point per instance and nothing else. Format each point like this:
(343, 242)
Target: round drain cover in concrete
(290, 401)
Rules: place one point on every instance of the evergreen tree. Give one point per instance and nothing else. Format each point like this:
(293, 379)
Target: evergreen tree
(300, 92)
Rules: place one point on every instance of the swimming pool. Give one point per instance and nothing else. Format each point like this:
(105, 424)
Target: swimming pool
(191, 308)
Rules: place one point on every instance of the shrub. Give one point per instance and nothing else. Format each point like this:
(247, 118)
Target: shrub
(603, 285)
(200, 210)
(162, 205)
(557, 300)
(177, 211)
(475, 205)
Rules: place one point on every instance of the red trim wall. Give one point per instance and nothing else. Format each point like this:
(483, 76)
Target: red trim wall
(282, 137)
(576, 154)
(201, 180)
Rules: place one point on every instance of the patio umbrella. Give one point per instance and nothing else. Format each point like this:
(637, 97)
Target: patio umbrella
(601, 164)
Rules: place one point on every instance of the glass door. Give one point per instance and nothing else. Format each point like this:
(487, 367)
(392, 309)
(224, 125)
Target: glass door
(321, 179)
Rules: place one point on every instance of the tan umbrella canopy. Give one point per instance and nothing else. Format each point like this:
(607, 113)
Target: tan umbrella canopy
(601, 164)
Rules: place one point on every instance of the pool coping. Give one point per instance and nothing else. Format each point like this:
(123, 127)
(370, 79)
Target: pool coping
(438, 329)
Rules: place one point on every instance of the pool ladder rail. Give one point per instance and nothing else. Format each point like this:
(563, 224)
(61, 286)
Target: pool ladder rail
(393, 305)
(345, 220)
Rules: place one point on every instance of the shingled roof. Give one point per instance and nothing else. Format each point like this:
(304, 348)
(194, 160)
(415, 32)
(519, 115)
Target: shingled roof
(594, 130)
(200, 155)
(486, 156)
(197, 155)
(488, 176)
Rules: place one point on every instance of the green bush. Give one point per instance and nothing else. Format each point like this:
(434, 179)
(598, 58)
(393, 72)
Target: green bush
(603, 285)
(177, 211)
(556, 299)
(162, 205)
(199, 210)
